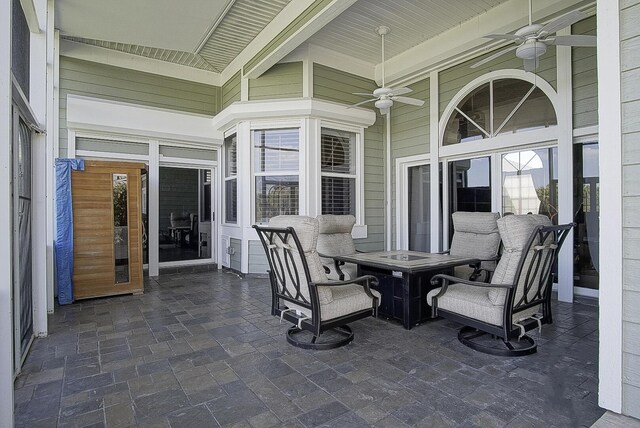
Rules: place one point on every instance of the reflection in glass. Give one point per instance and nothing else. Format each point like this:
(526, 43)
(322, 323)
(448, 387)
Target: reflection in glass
(120, 228)
(276, 195)
(587, 215)
(470, 184)
(530, 183)
(470, 120)
(419, 208)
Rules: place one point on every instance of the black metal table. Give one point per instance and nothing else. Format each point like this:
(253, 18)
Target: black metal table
(404, 280)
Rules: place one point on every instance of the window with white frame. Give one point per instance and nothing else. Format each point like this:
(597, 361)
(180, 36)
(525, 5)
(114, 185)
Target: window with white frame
(231, 179)
(276, 155)
(500, 106)
(338, 170)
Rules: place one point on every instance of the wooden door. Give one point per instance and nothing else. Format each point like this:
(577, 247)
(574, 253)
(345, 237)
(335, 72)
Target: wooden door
(107, 229)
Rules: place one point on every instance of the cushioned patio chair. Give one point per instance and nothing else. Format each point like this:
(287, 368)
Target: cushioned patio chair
(301, 292)
(475, 235)
(519, 295)
(335, 240)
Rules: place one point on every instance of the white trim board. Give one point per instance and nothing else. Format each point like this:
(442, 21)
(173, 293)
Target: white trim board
(611, 266)
(98, 115)
(292, 109)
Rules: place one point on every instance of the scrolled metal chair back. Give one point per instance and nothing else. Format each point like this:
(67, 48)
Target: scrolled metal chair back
(288, 270)
(535, 270)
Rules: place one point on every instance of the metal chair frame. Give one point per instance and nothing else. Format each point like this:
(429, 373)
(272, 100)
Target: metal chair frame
(286, 283)
(538, 277)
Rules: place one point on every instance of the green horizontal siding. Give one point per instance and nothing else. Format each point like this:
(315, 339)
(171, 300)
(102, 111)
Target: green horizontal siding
(338, 86)
(280, 81)
(585, 78)
(92, 79)
(231, 91)
(410, 128)
(188, 153)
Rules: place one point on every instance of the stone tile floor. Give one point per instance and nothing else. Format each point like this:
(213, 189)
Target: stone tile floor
(201, 350)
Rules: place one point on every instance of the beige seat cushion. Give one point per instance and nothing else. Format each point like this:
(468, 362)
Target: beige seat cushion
(335, 239)
(476, 235)
(346, 299)
(469, 301)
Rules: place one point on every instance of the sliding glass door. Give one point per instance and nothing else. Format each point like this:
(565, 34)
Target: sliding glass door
(419, 207)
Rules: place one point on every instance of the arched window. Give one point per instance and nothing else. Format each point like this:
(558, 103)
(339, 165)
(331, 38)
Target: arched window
(499, 106)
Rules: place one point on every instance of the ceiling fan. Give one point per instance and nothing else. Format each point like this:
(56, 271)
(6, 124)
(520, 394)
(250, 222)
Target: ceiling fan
(383, 96)
(532, 40)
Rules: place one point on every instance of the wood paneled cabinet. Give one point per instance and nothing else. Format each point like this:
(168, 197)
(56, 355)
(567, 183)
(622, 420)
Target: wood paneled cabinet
(107, 229)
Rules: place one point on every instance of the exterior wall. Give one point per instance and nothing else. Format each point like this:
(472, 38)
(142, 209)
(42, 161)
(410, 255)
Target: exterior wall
(189, 153)
(236, 257)
(584, 78)
(409, 137)
(630, 69)
(120, 84)
(281, 81)
(231, 91)
(335, 85)
(456, 77)
(257, 259)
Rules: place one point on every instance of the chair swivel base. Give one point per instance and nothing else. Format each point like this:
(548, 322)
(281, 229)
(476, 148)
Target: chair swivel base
(483, 342)
(343, 333)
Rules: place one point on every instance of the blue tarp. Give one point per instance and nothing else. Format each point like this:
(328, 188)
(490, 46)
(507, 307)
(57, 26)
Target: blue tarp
(63, 244)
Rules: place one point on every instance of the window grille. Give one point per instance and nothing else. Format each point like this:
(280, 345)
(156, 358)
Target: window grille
(230, 179)
(338, 170)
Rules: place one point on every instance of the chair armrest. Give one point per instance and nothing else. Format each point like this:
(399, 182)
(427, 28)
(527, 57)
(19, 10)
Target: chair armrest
(448, 278)
(361, 280)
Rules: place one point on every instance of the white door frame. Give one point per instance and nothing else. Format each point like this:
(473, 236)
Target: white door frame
(402, 203)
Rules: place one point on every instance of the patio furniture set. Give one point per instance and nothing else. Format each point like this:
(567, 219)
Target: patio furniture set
(495, 280)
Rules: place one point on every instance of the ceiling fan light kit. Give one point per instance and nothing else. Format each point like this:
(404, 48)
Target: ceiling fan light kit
(531, 41)
(384, 96)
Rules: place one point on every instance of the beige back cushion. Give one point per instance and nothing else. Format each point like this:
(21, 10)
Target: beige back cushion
(335, 234)
(475, 235)
(515, 231)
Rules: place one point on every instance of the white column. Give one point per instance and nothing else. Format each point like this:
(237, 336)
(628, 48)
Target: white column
(6, 266)
(38, 101)
(387, 182)
(245, 180)
(51, 152)
(154, 208)
(434, 150)
(610, 130)
(565, 169)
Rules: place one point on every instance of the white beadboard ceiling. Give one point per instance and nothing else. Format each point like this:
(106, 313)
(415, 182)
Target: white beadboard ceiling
(411, 23)
(209, 34)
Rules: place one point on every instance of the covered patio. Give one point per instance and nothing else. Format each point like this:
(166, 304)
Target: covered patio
(200, 350)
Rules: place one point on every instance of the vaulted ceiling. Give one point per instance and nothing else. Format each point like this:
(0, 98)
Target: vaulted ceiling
(209, 35)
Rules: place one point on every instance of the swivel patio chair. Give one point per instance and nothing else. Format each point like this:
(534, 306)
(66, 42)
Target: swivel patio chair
(475, 235)
(335, 240)
(519, 295)
(301, 292)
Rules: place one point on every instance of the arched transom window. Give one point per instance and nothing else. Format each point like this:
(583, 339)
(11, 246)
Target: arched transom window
(500, 106)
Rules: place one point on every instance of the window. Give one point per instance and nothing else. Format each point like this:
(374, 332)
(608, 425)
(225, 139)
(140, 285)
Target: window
(338, 169)
(498, 107)
(231, 179)
(276, 156)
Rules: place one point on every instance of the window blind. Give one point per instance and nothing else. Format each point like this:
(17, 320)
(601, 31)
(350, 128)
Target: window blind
(338, 167)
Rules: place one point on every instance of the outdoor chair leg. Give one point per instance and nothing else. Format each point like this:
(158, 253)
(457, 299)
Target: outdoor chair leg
(477, 340)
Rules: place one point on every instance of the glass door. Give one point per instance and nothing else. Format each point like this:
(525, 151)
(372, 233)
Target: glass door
(22, 206)
(419, 207)
(586, 204)
(530, 182)
(185, 214)
(469, 186)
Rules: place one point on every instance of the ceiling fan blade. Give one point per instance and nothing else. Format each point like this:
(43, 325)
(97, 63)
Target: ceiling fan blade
(494, 56)
(401, 91)
(531, 64)
(363, 102)
(364, 94)
(501, 36)
(578, 40)
(562, 22)
(407, 100)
